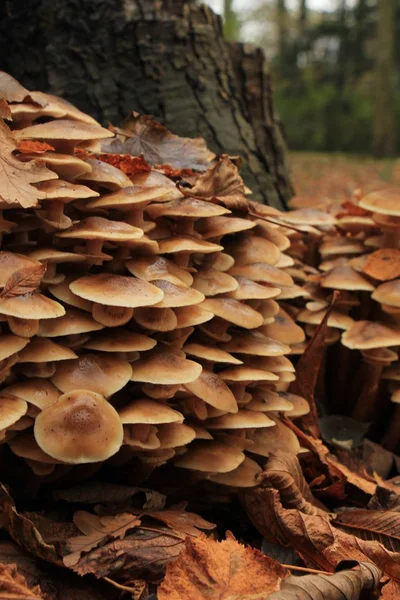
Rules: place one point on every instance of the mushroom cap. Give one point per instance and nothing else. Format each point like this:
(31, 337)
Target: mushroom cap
(11, 344)
(300, 405)
(251, 290)
(189, 316)
(63, 129)
(275, 438)
(210, 457)
(11, 262)
(120, 340)
(243, 373)
(214, 391)
(365, 335)
(151, 268)
(385, 201)
(25, 446)
(309, 216)
(233, 311)
(99, 228)
(73, 322)
(262, 272)
(284, 329)
(244, 476)
(116, 290)
(346, 278)
(101, 373)
(173, 435)
(67, 166)
(52, 255)
(12, 409)
(341, 245)
(38, 392)
(64, 108)
(105, 175)
(392, 372)
(156, 319)
(380, 356)
(66, 191)
(256, 344)
(149, 412)
(222, 261)
(191, 208)
(249, 248)
(176, 295)
(244, 419)
(336, 318)
(216, 227)
(388, 293)
(187, 243)
(62, 292)
(80, 427)
(210, 282)
(41, 350)
(35, 305)
(276, 364)
(130, 197)
(165, 368)
(210, 353)
(266, 400)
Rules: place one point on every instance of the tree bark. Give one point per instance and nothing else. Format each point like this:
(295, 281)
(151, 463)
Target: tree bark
(161, 57)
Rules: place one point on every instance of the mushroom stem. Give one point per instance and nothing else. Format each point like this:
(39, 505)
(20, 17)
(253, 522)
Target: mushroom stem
(55, 210)
(135, 217)
(391, 438)
(94, 247)
(365, 406)
(391, 238)
(182, 259)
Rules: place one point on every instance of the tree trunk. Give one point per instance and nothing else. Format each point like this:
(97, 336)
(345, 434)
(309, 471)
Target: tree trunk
(384, 135)
(161, 57)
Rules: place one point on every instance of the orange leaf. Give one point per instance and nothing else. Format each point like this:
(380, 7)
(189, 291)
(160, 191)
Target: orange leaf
(28, 146)
(23, 281)
(383, 264)
(208, 570)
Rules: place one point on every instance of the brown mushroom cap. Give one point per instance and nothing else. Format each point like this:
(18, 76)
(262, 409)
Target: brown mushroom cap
(11, 409)
(64, 190)
(341, 245)
(243, 373)
(116, 290)
(99, 228)
(365, 335)
(189, 316)
(266, 400)
(300, 405)
(388, 293)
(244, 476)
(66, 166)
(121, 340)
(130, 197)
(11, 344)
(233, 311)
(25, 446)
(210, 282)
(276, 364)
(210, 353)
(210, 457)
(64, 108)
(101, 373)
(176, 295)
(165, 368)
(222, 261)
(244, 419)
(105, 175)
(214, 391)
(52, 255)
(309, 216)
(275, 438)
(35, 306)
(336, 318)
(256, 344)
(262, 272)
(385, 201)
(284, 329)
(41, 350)
(249, 249)
(187, 243)
(150, 412)
(192, 208)
(38, 392)
(251, 290)
(80, 427)
(216, 227)
(172, 435)
(63, 129)
(72, 323)
(346, 278)
(151, 268)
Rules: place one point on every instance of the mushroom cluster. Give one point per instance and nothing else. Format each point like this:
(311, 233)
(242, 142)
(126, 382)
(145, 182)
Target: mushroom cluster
(141, 315)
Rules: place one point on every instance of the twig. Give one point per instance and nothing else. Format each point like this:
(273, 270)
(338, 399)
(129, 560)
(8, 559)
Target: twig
(305, 569)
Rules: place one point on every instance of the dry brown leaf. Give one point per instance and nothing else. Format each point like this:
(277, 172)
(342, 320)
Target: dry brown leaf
(5, 112)
(16, 177)
(141, 135)
(109, 493)
(307, 371)
(23, 281)
(344, 585)
(11, 89)
(380, 525)
(208, 570)
(283, 473)
(383, 264)
(390, 591)
(221, 183)
(14, 587)
(356, 479)
(96, 530)
(178, 519)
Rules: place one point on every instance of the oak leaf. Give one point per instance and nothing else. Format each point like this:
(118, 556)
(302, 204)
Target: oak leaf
(178, 519)
(383, 264)
(141, 135)
(208, 570)
(345, 585)
(14, 587)
(16, 177)
(380, 525)
(23, 281)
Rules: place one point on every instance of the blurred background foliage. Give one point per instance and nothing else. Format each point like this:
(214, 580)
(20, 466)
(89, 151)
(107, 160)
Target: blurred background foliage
(335, 67)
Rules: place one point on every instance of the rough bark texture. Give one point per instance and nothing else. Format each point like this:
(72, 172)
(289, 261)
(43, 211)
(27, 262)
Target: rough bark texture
(161, 57)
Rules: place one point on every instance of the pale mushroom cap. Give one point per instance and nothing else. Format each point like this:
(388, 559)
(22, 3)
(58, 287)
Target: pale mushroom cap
(342, 245)
(165, 368)
(116, 290)
(80, 427)
(25, 445)
(130, 197)
(156, 319)
(214, 391)
(210, 457)
(38, 392)
(186, 243)
(192, 208)
(234, 311)
(262, 272)
(172, 435)
(12, 409)
(63, 129)
(189, 316)
(52, 255)
(385, 201)
(268, 401)
(275, 438)
(309, 216)
(388, 293)
(215, 227)
(149, 412)
(64, 190)
(335, 319)
(222, 261)
(276, 364)
(365, 335)
(121, 340)
(101, 373)
(66, 108)
(73, 322)
(151, 268)
(258, 345)
(36, 306)
(244, 476)
(251, 290)
(62, 292)
(210, 282)
(176, 295)
(99, 228)
(284, 329)
(66, 166)
(106, 175)
(346, 278)
(249, 249)
(40, 350)
(244, 419)
(243, 373)
(210, 353)
(11, 344)
(300, 405)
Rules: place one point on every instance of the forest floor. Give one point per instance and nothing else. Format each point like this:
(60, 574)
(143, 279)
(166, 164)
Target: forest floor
(337, 175)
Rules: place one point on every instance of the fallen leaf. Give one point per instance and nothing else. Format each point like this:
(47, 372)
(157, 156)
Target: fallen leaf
(96, 530)
(23, 281)
(130, 165)
(178, 519)
(14, 587)
(307, 371)
(221, 183)
(5, 112)
(28, 146)
(384, 499)
(207, 570)
(283, 473)
(365, 485)
(11, 89)
(109, 493)
(378, 458)
(342, 431)
(17, 177)
(380, 525)
(390, 591)
(141, 135)
(383, 264)
(345, 585)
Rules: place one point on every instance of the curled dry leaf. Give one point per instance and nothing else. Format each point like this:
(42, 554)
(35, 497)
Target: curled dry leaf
(14, 587)
(16, 177)
(380, 525)
(23, 281)
(5, 112)
(208, 570)
(345, 585)
(383, 264)
(283, 473)
(177, 518)
(141, 135)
